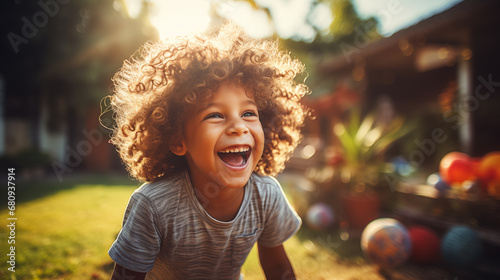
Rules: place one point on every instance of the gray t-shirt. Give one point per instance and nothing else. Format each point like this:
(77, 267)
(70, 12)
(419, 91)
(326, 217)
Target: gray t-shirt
(167, 232)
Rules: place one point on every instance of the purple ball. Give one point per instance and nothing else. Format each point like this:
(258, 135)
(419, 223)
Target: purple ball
(320, 216)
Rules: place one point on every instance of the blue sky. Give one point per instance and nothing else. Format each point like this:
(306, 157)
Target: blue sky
(395, 15)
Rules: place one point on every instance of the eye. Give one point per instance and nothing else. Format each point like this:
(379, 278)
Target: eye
(249, 114)
(213, 116)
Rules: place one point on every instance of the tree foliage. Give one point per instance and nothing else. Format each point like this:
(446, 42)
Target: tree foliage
(346, 32)
(64, 53)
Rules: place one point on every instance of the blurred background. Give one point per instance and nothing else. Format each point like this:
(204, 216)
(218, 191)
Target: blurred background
(406, 98)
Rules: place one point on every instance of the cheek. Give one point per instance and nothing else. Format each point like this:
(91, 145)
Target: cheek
(259, 136)
(203, 140)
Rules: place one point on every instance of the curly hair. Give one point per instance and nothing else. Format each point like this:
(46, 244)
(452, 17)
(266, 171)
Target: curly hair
(154, 87)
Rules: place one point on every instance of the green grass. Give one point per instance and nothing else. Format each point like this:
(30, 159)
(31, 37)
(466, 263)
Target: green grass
(64, 230)
(65, 234)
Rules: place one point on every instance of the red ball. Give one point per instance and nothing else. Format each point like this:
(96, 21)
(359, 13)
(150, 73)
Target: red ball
(426, 246)
(456, 168)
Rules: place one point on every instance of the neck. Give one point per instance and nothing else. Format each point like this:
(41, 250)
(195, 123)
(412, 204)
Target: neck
(221, 203)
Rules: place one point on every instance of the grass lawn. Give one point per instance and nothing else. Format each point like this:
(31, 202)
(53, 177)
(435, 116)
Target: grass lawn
(64, 230)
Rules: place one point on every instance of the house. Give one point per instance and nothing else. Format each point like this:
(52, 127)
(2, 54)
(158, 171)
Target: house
(444, 70)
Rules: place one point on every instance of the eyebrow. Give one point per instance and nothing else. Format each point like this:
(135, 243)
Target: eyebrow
(214, 104)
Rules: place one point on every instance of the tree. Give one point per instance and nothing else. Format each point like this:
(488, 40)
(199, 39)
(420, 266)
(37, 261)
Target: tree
(345, 34)
(63, 54)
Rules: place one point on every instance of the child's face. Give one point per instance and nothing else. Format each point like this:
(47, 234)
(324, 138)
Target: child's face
(223, 139)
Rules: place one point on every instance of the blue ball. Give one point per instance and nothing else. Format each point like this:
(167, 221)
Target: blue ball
(461, 246)
(441, 186)
(402, 167)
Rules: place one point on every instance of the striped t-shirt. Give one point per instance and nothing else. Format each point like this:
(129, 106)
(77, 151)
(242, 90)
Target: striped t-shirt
(168, 234)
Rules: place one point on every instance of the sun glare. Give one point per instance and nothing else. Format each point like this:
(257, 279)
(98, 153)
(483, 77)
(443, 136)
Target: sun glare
(176, 17)
(179, 17)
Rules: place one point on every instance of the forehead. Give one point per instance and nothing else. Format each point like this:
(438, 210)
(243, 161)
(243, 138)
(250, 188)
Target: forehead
(226, 93)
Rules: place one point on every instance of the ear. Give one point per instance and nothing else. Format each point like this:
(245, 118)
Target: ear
(179, 149)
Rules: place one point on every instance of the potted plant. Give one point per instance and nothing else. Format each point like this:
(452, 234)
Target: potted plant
(363, 143)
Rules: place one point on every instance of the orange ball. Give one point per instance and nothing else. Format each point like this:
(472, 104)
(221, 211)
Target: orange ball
(493, 189)
(456, 168)
(488, 170)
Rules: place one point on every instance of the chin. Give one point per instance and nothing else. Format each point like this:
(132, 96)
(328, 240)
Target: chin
(233, 179)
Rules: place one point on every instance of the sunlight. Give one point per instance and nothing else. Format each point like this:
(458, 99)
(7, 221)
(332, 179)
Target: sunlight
(176, 17)
(255, 22)
(179, 17)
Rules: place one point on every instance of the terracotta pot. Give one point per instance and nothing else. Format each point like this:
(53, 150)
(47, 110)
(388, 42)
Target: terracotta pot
(360, 209)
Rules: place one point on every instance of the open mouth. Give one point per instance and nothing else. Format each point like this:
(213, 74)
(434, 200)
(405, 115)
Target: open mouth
(235, 157)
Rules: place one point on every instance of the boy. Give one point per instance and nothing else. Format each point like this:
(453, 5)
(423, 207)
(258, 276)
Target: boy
(205, 121)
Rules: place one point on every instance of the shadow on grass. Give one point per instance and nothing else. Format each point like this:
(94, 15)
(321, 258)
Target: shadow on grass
(108, 267)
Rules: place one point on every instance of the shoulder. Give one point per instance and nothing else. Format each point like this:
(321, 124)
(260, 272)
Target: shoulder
(162, 186)
(279, 218)
(266, 187)
(161, 194)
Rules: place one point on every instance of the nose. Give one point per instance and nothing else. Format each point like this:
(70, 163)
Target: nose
(237, 127)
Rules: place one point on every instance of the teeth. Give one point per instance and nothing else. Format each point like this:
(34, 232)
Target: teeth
(235, 150)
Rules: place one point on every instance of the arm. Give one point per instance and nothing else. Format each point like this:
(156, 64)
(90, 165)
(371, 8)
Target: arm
(121, 273)
(275, 263)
